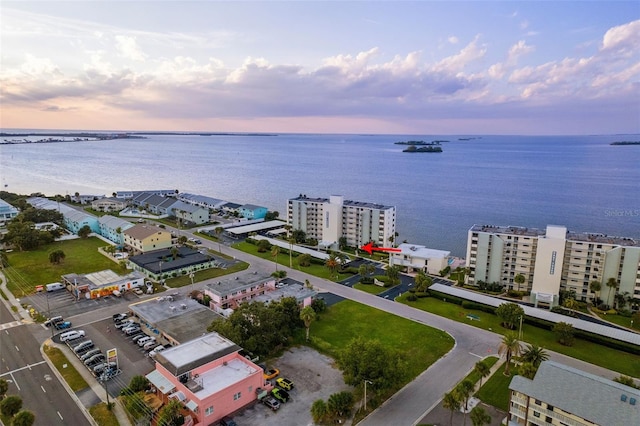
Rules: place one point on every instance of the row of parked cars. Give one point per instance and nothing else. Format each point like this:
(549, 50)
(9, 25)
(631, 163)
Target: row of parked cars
(280, 393)
(132, 330)
(58, 323)
(90, 355)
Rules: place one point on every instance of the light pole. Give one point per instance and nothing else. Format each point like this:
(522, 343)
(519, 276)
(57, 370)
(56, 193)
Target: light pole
(160, 264)
(365, 393)
(190, 288)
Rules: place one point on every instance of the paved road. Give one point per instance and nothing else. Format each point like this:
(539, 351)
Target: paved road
(31, 377)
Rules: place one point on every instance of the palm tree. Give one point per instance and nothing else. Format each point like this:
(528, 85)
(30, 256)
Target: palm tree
(307, 315)
(423, 282)
(509, 346)
(275, 251)
(534, 354)
(332, 264)
(612, 283)
(479, 416)
(483, 370)
(528, 370)
(570, 303)
(595, 286)
(291, 241)
(394, 274)
(464, 390)
(218, 231)
(519, 279)
(451, 401)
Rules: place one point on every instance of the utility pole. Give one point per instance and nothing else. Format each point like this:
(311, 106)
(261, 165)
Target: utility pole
(365, 393)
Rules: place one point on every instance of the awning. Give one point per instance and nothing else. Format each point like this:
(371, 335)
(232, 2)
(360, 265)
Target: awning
(160, 382)
(193, 406)
(178, 395)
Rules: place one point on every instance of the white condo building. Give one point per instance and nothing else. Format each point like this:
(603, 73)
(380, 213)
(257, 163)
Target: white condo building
(552, 260)
(328, 219)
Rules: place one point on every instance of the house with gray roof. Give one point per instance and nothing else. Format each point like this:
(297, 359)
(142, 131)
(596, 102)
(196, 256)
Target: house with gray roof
(189, 214)
(251, 211)
(112, 228)
(562, 395)
(7, 211)
(201, 200)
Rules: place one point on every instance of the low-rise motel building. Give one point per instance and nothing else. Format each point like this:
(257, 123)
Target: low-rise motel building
(564, 396)
(145, 238)
(101, 283)
(208, 376)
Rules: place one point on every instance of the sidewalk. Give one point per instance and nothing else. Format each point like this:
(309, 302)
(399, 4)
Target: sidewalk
(94, 385)
(22, 314)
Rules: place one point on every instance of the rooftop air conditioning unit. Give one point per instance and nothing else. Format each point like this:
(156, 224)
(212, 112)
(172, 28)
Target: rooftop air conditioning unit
(183, 306)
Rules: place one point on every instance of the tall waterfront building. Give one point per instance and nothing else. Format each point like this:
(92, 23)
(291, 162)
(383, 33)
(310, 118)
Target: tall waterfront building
(329, 219)
(552, 260)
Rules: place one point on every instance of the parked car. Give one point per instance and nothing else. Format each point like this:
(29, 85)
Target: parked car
(271, 402)
(53, 321)
(62, 325)
(100, 368)
(71, 335)
(149, 345)
(227, 421)
(81, 348)
(137, 337)
(89, 354)
(132, 330)
(119, 317)
(156, 351)
(285, 384)
(97, 358)
(124, 323)
(280, 394)
(144, 340)
(271, 374)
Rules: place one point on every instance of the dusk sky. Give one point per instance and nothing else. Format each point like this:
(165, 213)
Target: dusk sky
(421, 67)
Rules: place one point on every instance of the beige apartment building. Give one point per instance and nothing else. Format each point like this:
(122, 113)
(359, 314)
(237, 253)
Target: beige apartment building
(329, 219)
(553, 259)
(560, 395)
(145, 238)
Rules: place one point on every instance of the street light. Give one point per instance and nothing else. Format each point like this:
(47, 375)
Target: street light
(365, 393)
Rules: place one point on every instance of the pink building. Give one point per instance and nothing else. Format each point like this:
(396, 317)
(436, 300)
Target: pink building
(227, 295)
(208, 376)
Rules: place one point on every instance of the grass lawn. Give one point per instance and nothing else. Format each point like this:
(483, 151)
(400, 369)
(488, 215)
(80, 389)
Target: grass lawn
(474, 376)
(603, 356)
(103, 416)
(283, 259)
(30, 268)
(369, 288)
(495, 391)
(75, 381)
(205, 274)
(342, 322)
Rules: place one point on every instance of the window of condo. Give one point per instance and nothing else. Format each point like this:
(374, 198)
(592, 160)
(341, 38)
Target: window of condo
(237, 396)
(208, 411)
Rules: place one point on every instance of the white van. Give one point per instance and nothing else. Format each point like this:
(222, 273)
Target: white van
(54, 286)
(144, 340)
(71, 335)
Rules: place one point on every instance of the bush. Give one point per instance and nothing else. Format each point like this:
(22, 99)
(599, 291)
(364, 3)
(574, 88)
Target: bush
(412, 298)
(515, 294)
(478, 307)
(421, 294)
(562, 311)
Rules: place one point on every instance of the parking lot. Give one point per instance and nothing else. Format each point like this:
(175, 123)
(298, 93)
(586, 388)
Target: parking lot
(314, 377)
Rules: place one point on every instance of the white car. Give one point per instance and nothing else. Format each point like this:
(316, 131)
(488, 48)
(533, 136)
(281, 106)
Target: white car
(150, 344)
(71, 335)
(156, 351)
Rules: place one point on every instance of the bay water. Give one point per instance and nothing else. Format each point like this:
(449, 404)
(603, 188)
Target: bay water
(581, 182)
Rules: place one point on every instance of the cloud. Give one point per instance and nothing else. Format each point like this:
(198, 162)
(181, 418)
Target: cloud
(129, 48)
(623, 39)
(471, 52)
(453, 39)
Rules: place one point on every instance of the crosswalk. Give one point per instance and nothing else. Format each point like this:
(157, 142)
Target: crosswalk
(11, 324)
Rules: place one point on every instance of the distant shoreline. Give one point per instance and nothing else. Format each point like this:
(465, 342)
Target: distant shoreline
(625, 143)
(91, 136)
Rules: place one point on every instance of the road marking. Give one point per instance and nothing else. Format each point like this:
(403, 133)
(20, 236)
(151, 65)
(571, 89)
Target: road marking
(479, 356)
(11, 324)
(15, 381)
(17, 349)
(59, 415)
(42, 387)
(22, 368)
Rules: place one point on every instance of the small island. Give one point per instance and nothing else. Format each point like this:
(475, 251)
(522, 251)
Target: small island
(428, 148)
(625, 143)
(419, 142)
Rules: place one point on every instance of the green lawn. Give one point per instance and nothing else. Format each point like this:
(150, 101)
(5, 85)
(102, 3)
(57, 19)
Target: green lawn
(369, 288)
(206, 274)
(75, 381)
(495, 391)
(30, 268)
(103, 416)
(474, 376)
(421, 345)
(603, 356)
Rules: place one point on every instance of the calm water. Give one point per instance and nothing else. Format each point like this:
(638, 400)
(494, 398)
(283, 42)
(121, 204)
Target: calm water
(581, 182)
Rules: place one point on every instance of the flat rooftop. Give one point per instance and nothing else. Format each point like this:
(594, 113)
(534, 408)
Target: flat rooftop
(177, 316)
(223, 376)
(224, 287)
(158, 261)
(512, 230)
(602, 238)
(298, 291)
(255, 227)
(195, 353)
(421, 251)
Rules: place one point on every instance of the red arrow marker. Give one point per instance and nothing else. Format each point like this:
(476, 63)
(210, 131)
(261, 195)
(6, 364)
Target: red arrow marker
(369, 248)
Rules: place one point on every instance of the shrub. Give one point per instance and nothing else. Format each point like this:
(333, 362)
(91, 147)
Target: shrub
(421, 294)
(412, 298)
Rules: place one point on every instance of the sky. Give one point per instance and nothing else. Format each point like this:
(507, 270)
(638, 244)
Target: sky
(420, 67)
